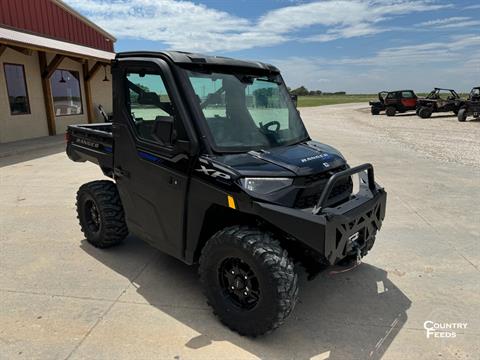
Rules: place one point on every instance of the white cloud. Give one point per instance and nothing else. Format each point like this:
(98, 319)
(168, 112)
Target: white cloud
(444, 21)
(356, 30)
(464, 24)
(451, 50)
(189, 26)
(420, 66)
(472, 7)
(451, 22)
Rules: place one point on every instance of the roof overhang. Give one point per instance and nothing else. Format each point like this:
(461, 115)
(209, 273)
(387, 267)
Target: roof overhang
(35, 42)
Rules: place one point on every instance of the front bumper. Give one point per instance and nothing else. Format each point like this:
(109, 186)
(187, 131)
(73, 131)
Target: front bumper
(337, 232)
(473, 110)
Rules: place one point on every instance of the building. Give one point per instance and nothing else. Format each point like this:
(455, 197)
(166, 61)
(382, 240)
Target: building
(54, 69)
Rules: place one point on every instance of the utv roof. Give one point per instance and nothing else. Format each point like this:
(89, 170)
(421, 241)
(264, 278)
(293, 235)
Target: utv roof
(434, 89)
(186, 58)
(398, 90)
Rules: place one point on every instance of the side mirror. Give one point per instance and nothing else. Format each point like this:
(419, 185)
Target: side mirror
(294, 99)
(163, 130)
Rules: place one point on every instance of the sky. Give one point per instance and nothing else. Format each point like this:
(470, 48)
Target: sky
(358, 46)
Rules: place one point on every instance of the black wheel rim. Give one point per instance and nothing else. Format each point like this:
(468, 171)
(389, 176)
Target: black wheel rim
(239, 283)
(92, 216)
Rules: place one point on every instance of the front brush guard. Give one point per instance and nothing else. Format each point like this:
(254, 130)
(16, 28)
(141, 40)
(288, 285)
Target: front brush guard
(343, 174)
(334, 232)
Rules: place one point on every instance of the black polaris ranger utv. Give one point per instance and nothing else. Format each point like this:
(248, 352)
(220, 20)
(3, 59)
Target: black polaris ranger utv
(394, 101)
(439, 100)
(212, 164)
(470, 107)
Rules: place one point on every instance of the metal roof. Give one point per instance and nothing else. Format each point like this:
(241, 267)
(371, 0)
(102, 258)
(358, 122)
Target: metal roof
(55, 20)
(84, 19)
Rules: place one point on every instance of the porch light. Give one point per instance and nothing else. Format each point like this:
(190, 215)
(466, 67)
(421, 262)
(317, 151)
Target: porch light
(62, 80)
(105, 69)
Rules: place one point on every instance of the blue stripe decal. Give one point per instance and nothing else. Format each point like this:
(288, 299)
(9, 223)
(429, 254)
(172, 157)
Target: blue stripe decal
(108, 149)
(148, 156)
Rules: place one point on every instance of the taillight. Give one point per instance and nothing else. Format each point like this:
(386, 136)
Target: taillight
(67, 137)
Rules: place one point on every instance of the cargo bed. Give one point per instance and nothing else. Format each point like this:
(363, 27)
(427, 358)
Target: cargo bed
(91, 142)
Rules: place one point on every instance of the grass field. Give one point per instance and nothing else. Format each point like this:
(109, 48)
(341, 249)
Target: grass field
(305, 101)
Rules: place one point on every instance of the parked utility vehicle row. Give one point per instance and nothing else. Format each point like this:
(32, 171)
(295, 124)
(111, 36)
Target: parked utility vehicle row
(438, 100)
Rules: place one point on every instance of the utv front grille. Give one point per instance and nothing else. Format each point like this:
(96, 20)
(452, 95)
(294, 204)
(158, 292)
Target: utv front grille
(323, 176)
(314, 185)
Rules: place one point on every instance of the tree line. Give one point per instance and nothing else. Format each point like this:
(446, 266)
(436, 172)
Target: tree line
(303, 91)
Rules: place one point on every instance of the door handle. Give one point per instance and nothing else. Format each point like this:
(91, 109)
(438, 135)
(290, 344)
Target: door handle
(116, 130)
(173, 181)
(119, 172)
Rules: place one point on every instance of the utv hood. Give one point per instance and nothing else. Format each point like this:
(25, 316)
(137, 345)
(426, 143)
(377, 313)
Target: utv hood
(301, 159)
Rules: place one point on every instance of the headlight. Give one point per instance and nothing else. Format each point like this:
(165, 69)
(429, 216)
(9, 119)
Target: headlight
(265, 185)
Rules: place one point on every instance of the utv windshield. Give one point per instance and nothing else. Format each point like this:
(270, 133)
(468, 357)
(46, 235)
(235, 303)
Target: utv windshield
(245, 112)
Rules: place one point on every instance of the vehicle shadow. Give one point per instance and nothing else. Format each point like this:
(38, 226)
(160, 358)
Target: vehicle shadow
(402, 115)
(31, 154)
(435, 116)
(351, 315)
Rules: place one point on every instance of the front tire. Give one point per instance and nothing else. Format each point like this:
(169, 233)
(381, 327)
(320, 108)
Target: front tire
(100, 213)
(248, 279)
(390, 111)
(375, 111)
(425, 112)
(462, 115)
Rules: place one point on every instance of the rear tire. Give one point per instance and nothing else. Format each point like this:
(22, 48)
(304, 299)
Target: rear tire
(100, 213)
(462, 115)
(390, 111)
(248, 279)
(425, 112)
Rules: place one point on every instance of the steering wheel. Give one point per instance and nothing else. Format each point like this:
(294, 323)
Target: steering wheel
(271, 123)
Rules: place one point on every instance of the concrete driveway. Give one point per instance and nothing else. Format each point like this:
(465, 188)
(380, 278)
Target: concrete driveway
(61, 298)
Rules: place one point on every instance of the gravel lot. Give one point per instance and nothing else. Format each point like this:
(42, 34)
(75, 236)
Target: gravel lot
(60, 298)
(441, 137)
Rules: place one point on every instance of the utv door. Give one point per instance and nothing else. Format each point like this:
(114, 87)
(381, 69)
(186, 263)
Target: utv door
(409, 100)
(151, 174)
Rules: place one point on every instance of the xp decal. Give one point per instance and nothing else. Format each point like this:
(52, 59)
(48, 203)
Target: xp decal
(209, 169)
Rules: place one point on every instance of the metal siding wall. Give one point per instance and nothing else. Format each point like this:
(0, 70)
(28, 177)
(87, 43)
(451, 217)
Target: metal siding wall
(45, 18)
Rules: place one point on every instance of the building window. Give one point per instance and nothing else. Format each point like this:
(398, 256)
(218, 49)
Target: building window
(67, 98)
(17, 89)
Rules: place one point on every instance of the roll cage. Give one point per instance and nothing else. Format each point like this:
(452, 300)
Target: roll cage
(435, 94)
(474, 94)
